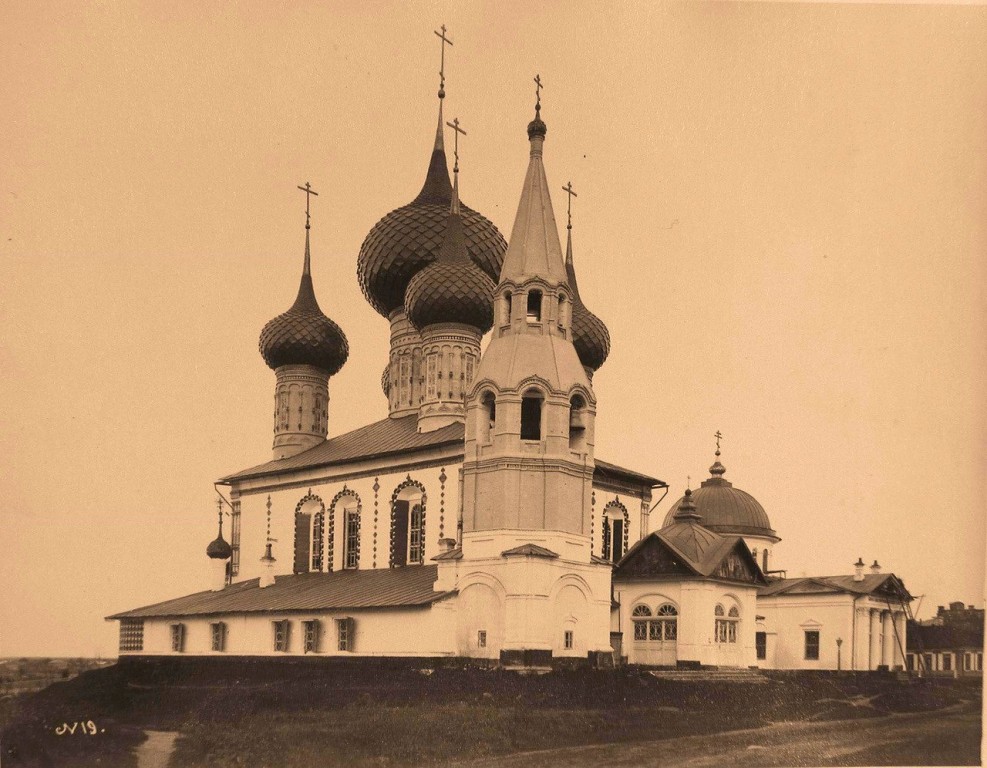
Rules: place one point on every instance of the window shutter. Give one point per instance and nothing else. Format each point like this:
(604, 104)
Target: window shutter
(399, 530)
(303, 523)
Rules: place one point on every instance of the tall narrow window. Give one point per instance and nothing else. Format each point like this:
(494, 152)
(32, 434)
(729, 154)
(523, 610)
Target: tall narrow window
(761, 645)
(416, 550)
(351, 554)
(577, 423)
(508, 306)
(534, 306)
(812, 644)
(282, 635)
(531, 416)
(235, 539)
(431, 367)
(481, 638)
(178, 638)
(218, 632)
(562, 313)
(345, 634)
(487, 418)
(317, 523)
(313, 635)
(615, 519)
(567, 639)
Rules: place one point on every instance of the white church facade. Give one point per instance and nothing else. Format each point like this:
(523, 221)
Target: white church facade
(475, 520)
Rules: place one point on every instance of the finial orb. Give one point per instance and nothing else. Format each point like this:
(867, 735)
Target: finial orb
(442, 93)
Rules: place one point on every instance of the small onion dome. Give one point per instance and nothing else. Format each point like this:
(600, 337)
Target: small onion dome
(590, 336)
(219, 549)
(408, 238)
(452, 289)
(725, 509)
(303, 335)
(537, 126)
(385, 380)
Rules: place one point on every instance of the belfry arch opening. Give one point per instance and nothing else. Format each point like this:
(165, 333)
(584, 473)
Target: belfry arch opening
(531, 410)
(577, 423)
(487, 417)
(534, 306)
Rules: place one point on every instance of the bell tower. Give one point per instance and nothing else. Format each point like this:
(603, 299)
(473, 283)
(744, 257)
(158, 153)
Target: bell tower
(529, 587)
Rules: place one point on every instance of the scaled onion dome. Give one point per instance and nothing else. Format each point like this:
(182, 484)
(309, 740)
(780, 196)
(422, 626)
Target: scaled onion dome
(218, 548)
(409, 238)
(303, 335)
(725, 509)
(590, 336)
(452, 289)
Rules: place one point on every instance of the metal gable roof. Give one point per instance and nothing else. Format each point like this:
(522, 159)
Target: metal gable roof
(871, 583)
(407, 587)
(395, 436)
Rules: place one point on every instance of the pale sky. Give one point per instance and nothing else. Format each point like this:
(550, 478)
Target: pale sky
(782, 218)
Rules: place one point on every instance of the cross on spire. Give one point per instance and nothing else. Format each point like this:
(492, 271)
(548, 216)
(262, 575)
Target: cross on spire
(455, 126)
(572, 193)
(307, 189)
(442, 66)
(538, 87)
(718, 437)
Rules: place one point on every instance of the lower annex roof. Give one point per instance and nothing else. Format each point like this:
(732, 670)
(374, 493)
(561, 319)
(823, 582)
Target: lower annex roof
(408, 587)
(389, 437)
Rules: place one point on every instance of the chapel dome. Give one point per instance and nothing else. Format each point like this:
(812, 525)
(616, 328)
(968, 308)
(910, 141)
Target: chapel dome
(219, 549)
(725, 509)
(304, 335)
(408, 238)
(590, 336)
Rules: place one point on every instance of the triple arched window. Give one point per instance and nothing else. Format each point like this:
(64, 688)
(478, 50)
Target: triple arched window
(726, 623)
(658, 626)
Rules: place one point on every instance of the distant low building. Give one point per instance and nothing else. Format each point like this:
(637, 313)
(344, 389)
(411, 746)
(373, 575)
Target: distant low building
(951, 644)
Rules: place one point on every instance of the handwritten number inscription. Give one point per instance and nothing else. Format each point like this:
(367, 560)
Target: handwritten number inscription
(83, 728)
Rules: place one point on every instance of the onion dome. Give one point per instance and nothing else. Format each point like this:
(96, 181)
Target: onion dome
(304, 335)
(590, 336)
(408, 238)
(723, 508)
(452, 289)
(218, 548)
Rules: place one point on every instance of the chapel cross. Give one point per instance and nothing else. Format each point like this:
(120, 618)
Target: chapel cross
(442, 66)
(572, 193)
(307, 189)
(455, 126)
(538, 87)
(718, 437)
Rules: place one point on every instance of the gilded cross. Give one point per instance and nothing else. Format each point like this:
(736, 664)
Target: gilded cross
(572, 193)
(307, 189)
(455, 126)
(538, 87)
(442, 67)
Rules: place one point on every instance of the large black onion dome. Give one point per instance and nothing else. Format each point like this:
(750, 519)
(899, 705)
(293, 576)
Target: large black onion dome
(451, 289)
(408, 238)
(304, 335)
(590, 336)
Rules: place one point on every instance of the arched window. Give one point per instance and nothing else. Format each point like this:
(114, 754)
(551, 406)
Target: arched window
(615, 522)
(726, 623)
(309, 525)
(351, 536)
(408, 524)
(508, 306)
(534, 306)
(658, 627)
(487, 417)
(563, 309)
(577, 423)
(531, 404)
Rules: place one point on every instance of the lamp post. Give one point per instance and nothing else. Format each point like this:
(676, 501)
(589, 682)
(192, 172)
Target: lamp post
(839, 643)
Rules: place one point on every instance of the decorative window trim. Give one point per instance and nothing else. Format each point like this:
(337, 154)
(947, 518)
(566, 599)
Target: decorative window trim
(131, 634)
(177, 637)
(312, 636)
(813, 643)
(333, 514)
(217, 635)
(404, 484)
(607, 526)
(346, 634)
(282, 635)
(313, 535)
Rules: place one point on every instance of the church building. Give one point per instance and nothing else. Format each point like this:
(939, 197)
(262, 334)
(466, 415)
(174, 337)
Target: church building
(475, 520)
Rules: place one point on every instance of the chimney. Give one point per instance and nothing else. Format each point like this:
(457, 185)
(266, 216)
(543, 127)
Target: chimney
(875, 567)
(446, 545)
(267, 577)
(858, 569)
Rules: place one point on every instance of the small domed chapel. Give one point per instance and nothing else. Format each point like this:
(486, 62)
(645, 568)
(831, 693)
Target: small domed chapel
(476, 520)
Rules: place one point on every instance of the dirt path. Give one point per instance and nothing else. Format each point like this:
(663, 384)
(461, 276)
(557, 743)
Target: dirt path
(156, 751)
(945, 737)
